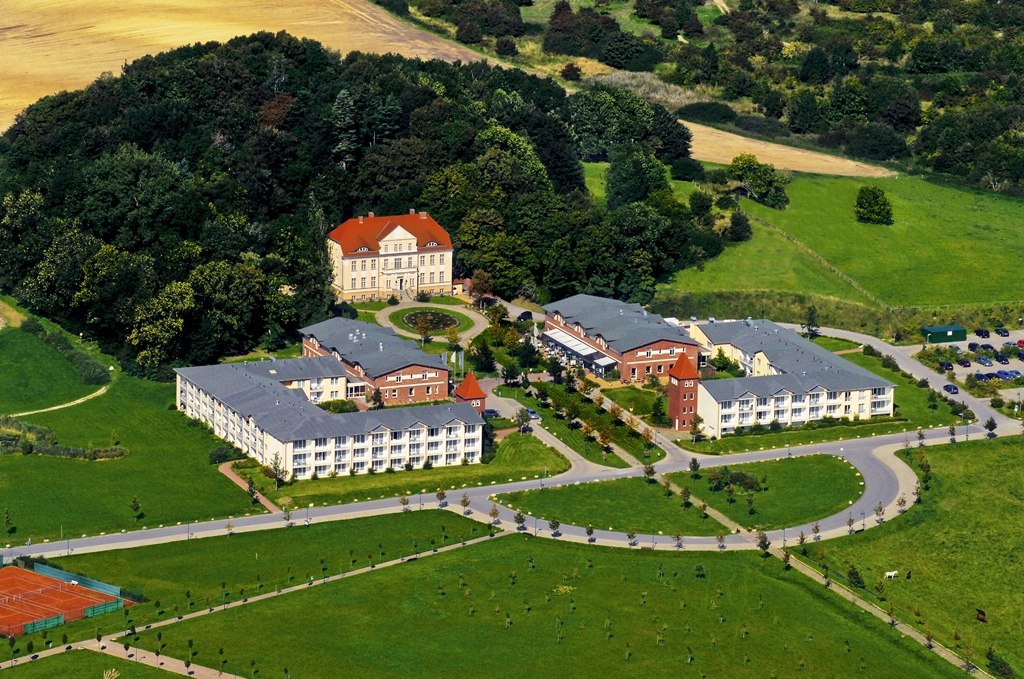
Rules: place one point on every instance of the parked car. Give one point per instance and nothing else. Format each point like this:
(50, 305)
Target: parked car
(1002, 332)
(963, 362)
(1020, 343)
(1009, 343)
(491, 413)
(951, 389)
(1020, 355)
(525, 316)
(981, 377)
(535, 416)
(1004, 375)
(983, 333)
(992, 376)
(954, 348)
(1002, 360)
(946, 366)
(984, 360)
(987, 347)
(1015, 373)
(973, 346)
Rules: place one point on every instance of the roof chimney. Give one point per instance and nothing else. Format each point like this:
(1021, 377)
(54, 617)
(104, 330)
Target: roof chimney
(380, 346)
(423, 215)
(360, 219)
(412, 210)
(371, 214)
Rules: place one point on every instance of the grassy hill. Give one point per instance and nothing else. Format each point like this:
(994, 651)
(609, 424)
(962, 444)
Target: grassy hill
(951, 250)
(34, 375)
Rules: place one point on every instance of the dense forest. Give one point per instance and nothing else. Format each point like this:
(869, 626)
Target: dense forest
(177, 212)
(935, 85)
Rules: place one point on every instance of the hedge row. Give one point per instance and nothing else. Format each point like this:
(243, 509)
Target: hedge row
(89, 369)
(18, 437)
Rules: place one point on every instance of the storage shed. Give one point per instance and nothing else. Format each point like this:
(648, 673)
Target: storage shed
(935, 334)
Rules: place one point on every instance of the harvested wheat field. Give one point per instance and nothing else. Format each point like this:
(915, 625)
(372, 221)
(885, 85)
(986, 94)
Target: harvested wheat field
(52, 45)
(717, 146)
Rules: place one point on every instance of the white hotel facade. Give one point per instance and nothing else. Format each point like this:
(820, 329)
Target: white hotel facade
(262, 409)
(789, 380)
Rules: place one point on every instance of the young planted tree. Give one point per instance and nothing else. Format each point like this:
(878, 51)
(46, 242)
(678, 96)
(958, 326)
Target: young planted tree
(649, 472)
(494, 514)
(522, 419)
(990, 426)
(277, 469)
(685, 495)
(441, 495)
(590, 532)
(763, 543)
(136, 505)
(694, 468)
(854, 577)
(520, 520)
(554, 524)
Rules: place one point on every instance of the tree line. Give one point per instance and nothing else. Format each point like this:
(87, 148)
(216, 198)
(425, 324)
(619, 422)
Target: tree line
(177, 212)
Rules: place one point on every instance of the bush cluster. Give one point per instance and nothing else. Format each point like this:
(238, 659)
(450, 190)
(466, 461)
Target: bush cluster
(222, 454)
(707, 112)
(29, 439)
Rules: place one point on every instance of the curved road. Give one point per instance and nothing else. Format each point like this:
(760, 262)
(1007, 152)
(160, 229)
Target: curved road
(885, 476)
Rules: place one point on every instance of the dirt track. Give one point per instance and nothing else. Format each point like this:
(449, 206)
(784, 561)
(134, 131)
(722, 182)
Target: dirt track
(717, 146)
(52, 45)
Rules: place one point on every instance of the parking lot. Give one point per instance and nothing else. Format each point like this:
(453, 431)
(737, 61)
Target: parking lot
(997, 342)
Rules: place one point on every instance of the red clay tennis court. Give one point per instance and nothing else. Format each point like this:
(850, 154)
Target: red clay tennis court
(30, 601)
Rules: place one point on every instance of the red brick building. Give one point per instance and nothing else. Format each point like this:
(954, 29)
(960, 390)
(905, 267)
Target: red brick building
(604, 335)
(378, 359)
(683, 380)
(470, 392)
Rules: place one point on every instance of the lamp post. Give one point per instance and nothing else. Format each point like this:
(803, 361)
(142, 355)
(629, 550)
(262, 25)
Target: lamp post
(967, 431)
(783, 538)
(862, 524)
(535, 526)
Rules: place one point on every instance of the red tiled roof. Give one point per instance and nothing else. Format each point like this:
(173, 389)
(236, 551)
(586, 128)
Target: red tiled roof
(366, 232)
(470, 389)
(684, 369)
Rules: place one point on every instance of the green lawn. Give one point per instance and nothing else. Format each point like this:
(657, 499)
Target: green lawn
(448, 301)
(518, 456)
(636, 401)
(962, 547)
(167, 468)
(293, 350)
(83, 664)
(798, 490)
(518, 606)
(620, 505)
(574, 438)
(834, 343)
(911, 404)
(371, 305)
(792, 270)
(919, 260)
(33, 375)
(594, 174)
(255, 562)
(398, 318)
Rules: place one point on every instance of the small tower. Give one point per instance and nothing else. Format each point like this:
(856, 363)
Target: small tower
(683, 379)
(470, 392)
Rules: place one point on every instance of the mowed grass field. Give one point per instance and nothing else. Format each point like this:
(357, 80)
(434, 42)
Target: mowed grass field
(621, 505)
(799, 490)
(519, 456)
(948, 245)
(961, 547)
(54, 45)
(33, 375)
(519, 606)
(186, 576)
(82, 664)
(167, 468)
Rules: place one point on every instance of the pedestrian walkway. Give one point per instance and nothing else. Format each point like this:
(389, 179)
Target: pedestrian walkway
(480, 323)
(99, 392)
(227, 470)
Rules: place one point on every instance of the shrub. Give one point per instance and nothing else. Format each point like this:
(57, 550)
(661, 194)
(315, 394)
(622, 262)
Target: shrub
(765, 127)
(339, 406)
(468, 33)
(422, 297)
(506, 47)
(392, 300)
(872, 206)
(572, 72)
(688, 170)
(32, 326)
(876, 141)
(997, 402)
(396, 6)
(222, 454)
(707, 112)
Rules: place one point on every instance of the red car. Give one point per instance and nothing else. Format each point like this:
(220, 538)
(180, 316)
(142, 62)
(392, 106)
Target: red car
(1020, 343)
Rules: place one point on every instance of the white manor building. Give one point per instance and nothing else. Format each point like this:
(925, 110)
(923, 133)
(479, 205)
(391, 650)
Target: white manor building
(263, 408)
(790, 380)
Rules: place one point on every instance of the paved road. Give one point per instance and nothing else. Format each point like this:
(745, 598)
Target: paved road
(886, 479)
